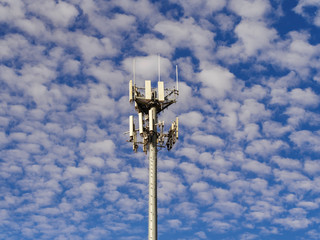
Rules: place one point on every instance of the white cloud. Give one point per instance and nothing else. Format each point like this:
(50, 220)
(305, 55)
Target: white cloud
(220, 226)
(293, 223)
(217, 162)
(61, 14)
(201, 235)
(187, 34)
(94, 161)
(146, 68)
(229, 208)
(257, 92)
(294, 53)
(142, 9)
(291, 79)
(169, 187)
(217, 81)
(256, 167)
(107, 74)
(250, 8)
(11, 10)
(305, 97)
(229, 120)
(115, 180)
(71, 67)
(140, 174)
(207, 140)
(312, 167)
(306, 140)
(152, 46)
(254, 36)
(249, 236)
(250, 132)
(222, 194)
(301, 9)
(16, 45)
(189, 152)
(202, 192)
(187, 209)
(191, 119)
(187, 99)
(190, 171)
(265, 147)
(92, 47)
(77, 171)
(297, 115)
(226, 23)
(203, 7)
(174, 223)
(275, 129)
(253, 111)
(308, 205)
(118, 24)
(296, 97)
(294, 180)
(33, 26)
(98, 148)
(286, 163)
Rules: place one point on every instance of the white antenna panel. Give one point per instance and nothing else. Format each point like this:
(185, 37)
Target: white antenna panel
(150, 119)
(160, 91)
(140, 123)
(131, 126)
(130, 91)
(177, 127)
(148, 90)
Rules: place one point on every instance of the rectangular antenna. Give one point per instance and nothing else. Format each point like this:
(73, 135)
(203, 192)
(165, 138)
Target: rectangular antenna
(148, 90)
(177, 127)
(150, 119)
(160, 91)
(140, 123)
(130, 91)
(131, 126)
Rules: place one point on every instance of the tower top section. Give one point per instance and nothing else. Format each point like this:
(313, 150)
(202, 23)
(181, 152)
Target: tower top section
(149, 102)
(147, 97)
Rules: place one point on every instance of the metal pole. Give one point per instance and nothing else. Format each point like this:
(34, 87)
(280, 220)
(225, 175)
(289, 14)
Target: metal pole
(152, 233)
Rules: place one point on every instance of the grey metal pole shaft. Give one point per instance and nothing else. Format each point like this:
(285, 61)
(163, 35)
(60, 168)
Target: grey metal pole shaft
(152, 225)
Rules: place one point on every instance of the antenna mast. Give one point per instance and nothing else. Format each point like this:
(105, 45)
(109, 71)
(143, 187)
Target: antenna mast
(177, 78)
(159, 68)
(134, 71)
(148, 105)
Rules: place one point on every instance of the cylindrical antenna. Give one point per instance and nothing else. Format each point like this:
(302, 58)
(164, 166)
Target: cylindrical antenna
(177, 78)
(159, 67)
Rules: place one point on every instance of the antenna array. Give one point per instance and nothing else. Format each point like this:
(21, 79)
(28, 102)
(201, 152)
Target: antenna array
(149, 102)
(148, 99)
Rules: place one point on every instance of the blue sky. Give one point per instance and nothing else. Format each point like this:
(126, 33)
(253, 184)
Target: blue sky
(246, 165)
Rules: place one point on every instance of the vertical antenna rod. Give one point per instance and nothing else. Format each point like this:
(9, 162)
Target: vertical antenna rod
(159, 67)
(134, 71)
(177, 78)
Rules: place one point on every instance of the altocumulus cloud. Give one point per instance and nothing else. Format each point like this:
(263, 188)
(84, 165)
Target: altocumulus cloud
(246, 165)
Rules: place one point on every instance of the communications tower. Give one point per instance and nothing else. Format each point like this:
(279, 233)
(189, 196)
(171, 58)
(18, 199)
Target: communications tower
(149, 102)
